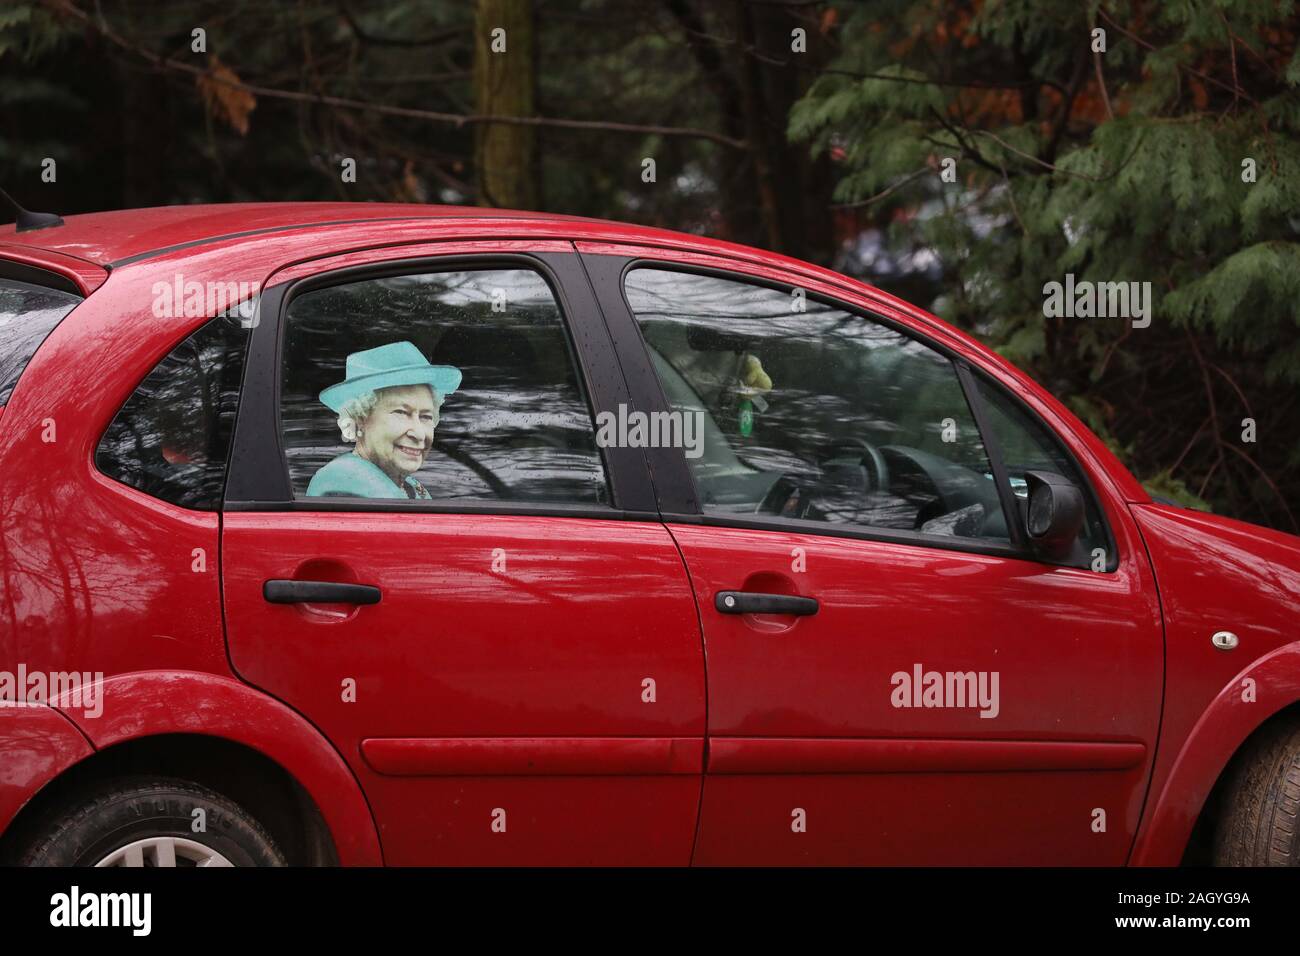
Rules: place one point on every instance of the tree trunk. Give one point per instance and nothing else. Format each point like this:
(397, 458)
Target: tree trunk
(801, 197)
(754, 107)
(505, 85)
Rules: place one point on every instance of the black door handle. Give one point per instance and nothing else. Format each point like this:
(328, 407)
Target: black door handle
(752, 602)
(280, 591)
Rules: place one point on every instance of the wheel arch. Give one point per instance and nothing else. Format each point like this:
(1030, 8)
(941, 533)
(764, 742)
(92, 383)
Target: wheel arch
(278, 801)
(165, 722)
(1223, 730)
(39, 745)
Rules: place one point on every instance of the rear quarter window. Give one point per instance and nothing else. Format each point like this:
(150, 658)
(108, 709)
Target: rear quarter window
(171, 439)
(28, 313)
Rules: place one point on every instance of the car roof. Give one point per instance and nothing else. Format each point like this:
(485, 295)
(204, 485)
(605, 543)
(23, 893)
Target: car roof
(117, 237)
(91, 244)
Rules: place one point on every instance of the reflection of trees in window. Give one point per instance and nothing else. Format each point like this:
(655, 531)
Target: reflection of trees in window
(27, 315)
(835, 374)
(172, 437)
(838, 379)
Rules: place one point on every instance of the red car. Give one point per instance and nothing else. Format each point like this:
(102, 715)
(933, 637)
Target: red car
(392, 534)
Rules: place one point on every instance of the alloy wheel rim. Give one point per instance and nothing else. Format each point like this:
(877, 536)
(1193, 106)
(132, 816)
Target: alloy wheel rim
(166, 851)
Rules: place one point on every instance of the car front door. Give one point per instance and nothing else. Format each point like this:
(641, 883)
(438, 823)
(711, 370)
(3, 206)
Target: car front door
(892, 677)
(512, 665)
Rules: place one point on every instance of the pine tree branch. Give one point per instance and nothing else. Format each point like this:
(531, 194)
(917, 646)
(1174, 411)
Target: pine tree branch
(1235, 90)
(1067, 107)
(880, 195)
(1101, 84)
(798, 64)
(1034, 159)
(968, 149)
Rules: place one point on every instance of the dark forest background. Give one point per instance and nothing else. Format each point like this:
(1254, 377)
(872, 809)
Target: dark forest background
(960, 154)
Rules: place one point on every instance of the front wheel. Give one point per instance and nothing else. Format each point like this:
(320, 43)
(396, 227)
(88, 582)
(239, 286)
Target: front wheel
(1260, 822)
(152, 822)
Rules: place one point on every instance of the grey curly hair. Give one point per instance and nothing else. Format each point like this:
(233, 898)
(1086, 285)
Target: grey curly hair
(356, 410)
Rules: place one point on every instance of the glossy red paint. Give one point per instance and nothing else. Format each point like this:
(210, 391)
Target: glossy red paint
(37, 744)
(1215, 574)
(1077, 657)
(465, 660)
(485, 699)
(95, 576)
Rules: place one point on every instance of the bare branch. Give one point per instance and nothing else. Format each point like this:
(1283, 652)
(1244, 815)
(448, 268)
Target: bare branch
(1101, 84)
(454, 119)
(880, 195)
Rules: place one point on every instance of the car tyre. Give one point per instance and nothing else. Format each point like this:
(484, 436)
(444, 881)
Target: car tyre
(1260, 820)
(151, 822)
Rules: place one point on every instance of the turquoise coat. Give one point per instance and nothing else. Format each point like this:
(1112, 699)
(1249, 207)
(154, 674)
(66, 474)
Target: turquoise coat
(352, 475)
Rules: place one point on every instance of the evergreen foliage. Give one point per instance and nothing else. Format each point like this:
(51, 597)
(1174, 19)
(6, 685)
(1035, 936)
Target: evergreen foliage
(1137, 180)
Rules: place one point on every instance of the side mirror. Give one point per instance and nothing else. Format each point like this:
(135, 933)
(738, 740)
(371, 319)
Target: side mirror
(1055, 513)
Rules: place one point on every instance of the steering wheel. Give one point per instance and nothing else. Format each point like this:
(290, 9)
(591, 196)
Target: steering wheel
(791, 497)
(864, 454)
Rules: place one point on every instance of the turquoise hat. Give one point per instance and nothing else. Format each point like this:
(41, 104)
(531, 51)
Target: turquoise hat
(398, 363)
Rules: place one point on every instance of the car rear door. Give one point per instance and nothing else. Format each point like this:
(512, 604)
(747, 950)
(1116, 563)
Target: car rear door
(953, 699)
(527, 686)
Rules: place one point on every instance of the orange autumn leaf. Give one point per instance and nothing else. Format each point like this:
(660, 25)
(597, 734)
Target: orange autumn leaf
(978, 107)
(223, 97)
(1089, 107)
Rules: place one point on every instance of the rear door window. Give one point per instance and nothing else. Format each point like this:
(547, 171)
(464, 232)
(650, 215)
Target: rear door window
(28, 313)
(438, 386)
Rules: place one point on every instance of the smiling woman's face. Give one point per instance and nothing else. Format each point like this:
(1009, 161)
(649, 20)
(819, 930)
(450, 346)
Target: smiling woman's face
(398, 432)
